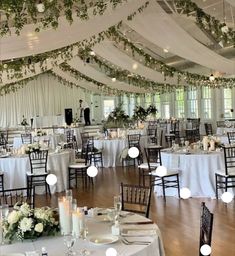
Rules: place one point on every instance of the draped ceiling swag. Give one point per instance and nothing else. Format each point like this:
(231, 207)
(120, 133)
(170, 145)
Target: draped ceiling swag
(156, 28)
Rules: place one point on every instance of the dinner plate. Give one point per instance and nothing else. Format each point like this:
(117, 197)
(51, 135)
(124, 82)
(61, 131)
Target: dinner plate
(103, 239)
(5, 155)
(102, 218)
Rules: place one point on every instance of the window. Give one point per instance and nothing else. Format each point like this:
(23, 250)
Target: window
(227, 102)
(108, 107)
(138, 101)
(148, 100)
(165, 105)
(125, 104)
(132, 105)
(206, 102)
(157, 103)
(179, 103)
(193, 103)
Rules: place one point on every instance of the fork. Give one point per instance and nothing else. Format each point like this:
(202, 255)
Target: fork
(125, 241)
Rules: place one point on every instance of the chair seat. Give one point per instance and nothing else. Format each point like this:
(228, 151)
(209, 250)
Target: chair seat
(222, 173)
(146, 166)
(78, 165)
(169, 173)
(37, 173)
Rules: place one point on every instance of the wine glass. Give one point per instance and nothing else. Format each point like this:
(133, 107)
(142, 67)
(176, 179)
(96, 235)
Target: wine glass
(83, 236)
(117, 200)
(69, 241)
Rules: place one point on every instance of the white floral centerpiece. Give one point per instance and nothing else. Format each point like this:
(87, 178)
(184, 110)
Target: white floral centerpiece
(32, 148)
(25, 223)
(210, 143)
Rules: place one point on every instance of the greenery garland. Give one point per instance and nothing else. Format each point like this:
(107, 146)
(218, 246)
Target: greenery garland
(168, 71)
(207, 22)
(102, 87)
(18, 12)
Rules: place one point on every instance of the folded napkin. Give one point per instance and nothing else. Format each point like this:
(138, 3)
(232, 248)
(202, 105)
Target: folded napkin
(139, 232)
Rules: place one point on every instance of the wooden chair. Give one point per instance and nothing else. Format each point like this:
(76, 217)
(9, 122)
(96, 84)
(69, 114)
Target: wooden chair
(152, 134)
(134, 140)
(26, 138)
(152, 154)
(206, 226)
(231, 137)
(136, 198)
(225, 179)
(38, 173)
(169, 180)
(1, 181)
(208, 129)
(79, 170)
(19, 196)
(169, 139)
(3, 140)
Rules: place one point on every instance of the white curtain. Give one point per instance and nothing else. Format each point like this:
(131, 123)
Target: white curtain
(44, 96)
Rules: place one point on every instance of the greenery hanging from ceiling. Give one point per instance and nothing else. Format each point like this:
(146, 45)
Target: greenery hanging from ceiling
(46, 13)
(149, 86)
(183, 77)
(219, 30)
(102, 87)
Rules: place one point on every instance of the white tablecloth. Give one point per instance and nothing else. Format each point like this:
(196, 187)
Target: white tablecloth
(197, 172)
(111, 149)
(15, 169)
(54, 140)
(224, 130)
(55, 245)
(48, 121)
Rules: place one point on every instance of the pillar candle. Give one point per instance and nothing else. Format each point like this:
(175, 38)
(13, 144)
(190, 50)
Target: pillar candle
(65, 216)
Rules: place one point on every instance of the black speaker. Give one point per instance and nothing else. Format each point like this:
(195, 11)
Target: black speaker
(68, 116)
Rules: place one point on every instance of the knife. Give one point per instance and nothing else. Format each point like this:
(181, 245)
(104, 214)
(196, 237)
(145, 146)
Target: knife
(138, 223)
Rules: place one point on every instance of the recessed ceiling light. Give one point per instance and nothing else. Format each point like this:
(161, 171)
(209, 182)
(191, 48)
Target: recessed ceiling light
(165, 50)
(92, 53)
(135, 66)
(114, 79)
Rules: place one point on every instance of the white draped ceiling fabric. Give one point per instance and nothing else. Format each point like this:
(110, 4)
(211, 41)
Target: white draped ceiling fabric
(109, 52)
(160, 29)
(232, 2)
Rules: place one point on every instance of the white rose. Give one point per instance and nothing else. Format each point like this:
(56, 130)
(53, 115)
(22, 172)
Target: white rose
(38, 227)
(26, 224)
(13, 217)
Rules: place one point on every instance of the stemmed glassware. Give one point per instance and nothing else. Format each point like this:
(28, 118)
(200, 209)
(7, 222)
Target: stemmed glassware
(69, 241)
(117, 201)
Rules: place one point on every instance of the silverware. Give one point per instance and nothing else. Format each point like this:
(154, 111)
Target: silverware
(138, 223)
(127, 242)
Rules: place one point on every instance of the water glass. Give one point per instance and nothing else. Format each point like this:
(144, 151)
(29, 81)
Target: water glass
(69, 194)
(117, 200)
(69, 241)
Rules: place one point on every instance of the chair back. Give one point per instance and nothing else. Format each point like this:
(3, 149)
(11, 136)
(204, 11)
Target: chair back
(3, 140)
(26, 138)
(69, 135)
(229, 159)
(208, 129)
(38, 161)
(134, 140)
(169, 139)
(231, 137)
(136, 198)
(206, 225)
(19, 196)
(153, 156)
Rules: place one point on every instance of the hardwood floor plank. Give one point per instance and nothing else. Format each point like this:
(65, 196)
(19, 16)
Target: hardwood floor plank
(177, 219)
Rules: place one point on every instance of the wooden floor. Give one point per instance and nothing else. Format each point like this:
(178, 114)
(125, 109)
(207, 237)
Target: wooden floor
(177, 219)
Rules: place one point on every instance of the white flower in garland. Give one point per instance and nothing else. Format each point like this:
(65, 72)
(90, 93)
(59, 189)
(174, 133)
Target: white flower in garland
(13, 217)
(25, 209)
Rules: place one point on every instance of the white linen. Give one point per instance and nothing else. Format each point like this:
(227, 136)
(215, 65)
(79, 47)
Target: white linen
(168, 34)
(48, 121)
(55, 139)
(55, 245)
(15, 168)
(111, 149)
(197, 172)
(224, 130)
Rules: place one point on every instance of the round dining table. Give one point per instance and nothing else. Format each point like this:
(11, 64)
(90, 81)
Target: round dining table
(97, 229)
(196, 171)
(15, 167)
